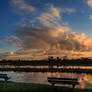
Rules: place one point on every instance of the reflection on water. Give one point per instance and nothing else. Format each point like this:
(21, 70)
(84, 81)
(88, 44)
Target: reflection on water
(73, 67)
(84, 79)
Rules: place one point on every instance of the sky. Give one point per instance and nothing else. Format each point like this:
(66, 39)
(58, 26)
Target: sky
(36, 29)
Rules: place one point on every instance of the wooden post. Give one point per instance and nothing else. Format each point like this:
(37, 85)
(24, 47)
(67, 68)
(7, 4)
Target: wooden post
(53, 84)
(73, 85)
(5, 80)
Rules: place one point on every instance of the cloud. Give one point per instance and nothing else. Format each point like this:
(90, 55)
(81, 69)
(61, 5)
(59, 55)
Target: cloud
(91, 17)
(39, 43)
(53, 16)
(49, 37)
(60, 37)
(22, 6)
(5, 55)
(89, 2)
(68, 10)
(13, 40)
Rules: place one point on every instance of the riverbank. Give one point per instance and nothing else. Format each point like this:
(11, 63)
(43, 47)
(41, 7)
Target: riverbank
(29, 87)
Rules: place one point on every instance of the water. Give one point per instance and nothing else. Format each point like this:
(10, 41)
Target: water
(84, 79)
(73, 67)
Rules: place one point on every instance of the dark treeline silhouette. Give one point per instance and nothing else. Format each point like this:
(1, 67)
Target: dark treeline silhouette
(50, 62)
(43, 70)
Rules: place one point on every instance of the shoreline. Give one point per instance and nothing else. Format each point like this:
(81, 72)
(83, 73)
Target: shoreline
(33, 87)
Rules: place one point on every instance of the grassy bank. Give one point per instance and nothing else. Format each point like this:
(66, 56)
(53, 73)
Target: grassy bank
(28, 87)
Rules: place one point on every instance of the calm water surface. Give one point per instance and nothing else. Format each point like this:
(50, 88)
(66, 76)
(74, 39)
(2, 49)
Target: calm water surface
(85, 80)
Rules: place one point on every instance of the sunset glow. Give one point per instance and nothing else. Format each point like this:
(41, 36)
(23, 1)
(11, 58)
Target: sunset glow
(38, 29)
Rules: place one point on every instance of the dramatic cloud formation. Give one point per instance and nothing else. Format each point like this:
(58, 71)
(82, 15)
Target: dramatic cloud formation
(53, 40)
(48, 36)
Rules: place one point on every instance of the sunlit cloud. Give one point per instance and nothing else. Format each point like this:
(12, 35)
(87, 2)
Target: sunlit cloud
(89, 2)
(57, 41)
